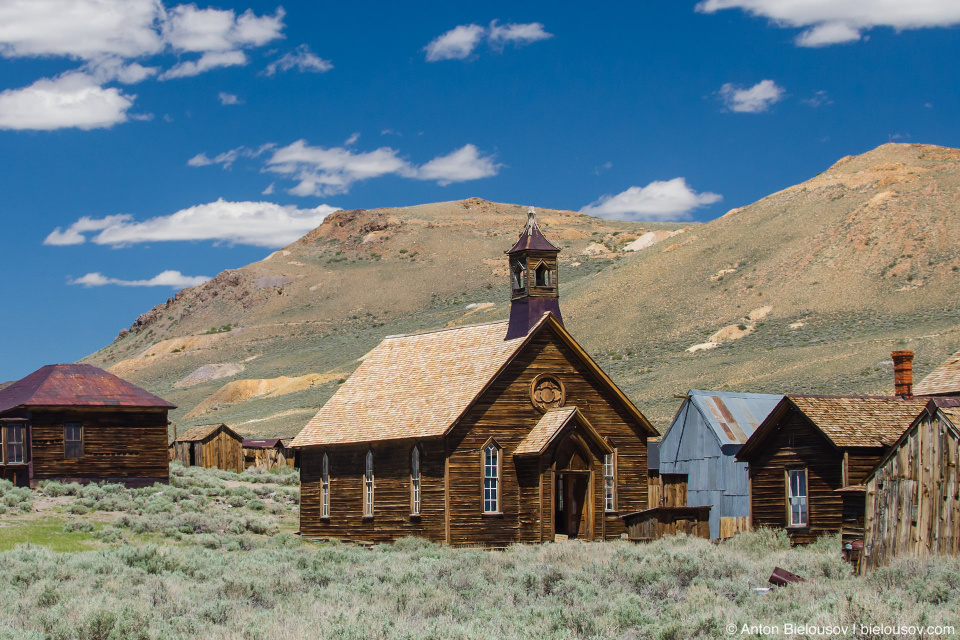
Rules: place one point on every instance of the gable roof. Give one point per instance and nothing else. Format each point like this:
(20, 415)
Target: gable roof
(204, 431)
(945, 379)
(76, 385)
(733, 417)
(551, 425)
(418, 385)
(947, 408)
(846, 421)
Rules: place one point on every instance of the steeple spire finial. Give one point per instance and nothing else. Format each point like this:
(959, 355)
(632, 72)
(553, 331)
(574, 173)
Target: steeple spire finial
(534, 279)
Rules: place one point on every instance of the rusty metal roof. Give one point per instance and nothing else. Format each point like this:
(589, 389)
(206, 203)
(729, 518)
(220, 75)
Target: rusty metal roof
(532, 239)
(733, 416)
(943, 380)
(76, 385)
(261, 443)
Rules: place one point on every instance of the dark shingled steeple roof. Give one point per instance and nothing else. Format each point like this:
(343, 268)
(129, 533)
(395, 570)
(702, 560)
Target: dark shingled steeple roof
(76, 385)
(532, 239)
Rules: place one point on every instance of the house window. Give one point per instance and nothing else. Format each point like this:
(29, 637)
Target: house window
(491, 479)
(325, 487)
(72, 440)
(609, 482)
(14, 443)
(797, 497)
(543, 276)
(415, 482)
(368, 486)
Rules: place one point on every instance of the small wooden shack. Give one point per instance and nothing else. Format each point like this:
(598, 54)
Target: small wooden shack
(653, 524)
(79, 423)
(488, 434)
(697, 463)
(913, 495)
(209, 446)
(810, 457)
(269, 453)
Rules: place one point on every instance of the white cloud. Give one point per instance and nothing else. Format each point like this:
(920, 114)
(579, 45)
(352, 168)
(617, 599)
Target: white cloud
(116, 69)
(261, 224)
(303, 59)
(321, 171)
(836, 21)
(188, 28)
(461, 41)
(756, 99)
(270, 189)
(352, 139)
(84, 29)
(659, 200)
(72, 100)
(206, 62)
(517, 34)
(456, 44)
(818, 99)
(461, 165)
(167, 278)
(228, 98)
(227, 158)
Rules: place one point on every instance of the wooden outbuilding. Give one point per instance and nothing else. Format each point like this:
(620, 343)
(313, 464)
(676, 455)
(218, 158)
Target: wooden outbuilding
(698, 465)
(209, 446)
(810, 457)
(269, 453)
(913, 495)
(79, 423)
(487, 434)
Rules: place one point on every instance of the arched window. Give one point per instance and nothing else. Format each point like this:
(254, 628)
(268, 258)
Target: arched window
(491, 478)
(543, 275)
(325, 487)
(415, 482)
(518, 276)
(368, 486)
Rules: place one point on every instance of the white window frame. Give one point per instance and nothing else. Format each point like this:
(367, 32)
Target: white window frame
(415, 481)
(325, 487)
(9, 428)
(491, 464)
(368, 485)
(610, 481)
(66, 428)
(798, 496)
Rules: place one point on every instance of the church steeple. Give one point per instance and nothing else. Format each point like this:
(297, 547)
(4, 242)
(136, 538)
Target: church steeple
(534, 279)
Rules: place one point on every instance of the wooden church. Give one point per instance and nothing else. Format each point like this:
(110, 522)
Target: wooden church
(487, 434)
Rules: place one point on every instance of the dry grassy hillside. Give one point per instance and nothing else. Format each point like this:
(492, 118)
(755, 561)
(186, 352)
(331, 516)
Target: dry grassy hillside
(806, 290)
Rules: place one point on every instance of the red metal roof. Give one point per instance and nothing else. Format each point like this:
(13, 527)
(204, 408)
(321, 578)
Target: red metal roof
(76, 385)
(532, 239)
(260, 443)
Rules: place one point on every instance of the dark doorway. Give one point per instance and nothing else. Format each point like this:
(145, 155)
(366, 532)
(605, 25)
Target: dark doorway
(191, 448)
(572, 488)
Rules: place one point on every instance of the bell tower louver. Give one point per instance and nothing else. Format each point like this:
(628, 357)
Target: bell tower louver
(534, 279)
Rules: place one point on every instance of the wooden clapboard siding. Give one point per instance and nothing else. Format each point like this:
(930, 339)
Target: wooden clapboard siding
(913, 497)
(654, 523)
(391, 513)
(860, 462)
(118, 444)
(504, 412)
(797, 444)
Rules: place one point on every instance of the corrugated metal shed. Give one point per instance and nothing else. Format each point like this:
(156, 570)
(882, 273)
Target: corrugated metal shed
(705, 435)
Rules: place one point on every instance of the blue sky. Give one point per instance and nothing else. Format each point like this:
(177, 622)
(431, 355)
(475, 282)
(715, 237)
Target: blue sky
(145, 145)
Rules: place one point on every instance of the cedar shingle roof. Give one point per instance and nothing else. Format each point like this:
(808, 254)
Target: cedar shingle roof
(550, 425)
(204, 431)
(945, 379)
(76, 385)
(541, 435)
(860, 421)
(412, 386)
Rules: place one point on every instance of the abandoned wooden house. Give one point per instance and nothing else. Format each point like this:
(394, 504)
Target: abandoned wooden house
(810, 457)
(913, 495)
(76, 422)
(698, 465)
(269, 453)
(486, 434)
(209, 446)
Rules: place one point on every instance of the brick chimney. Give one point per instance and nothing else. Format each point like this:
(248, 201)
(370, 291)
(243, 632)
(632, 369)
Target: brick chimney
(903, 373)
